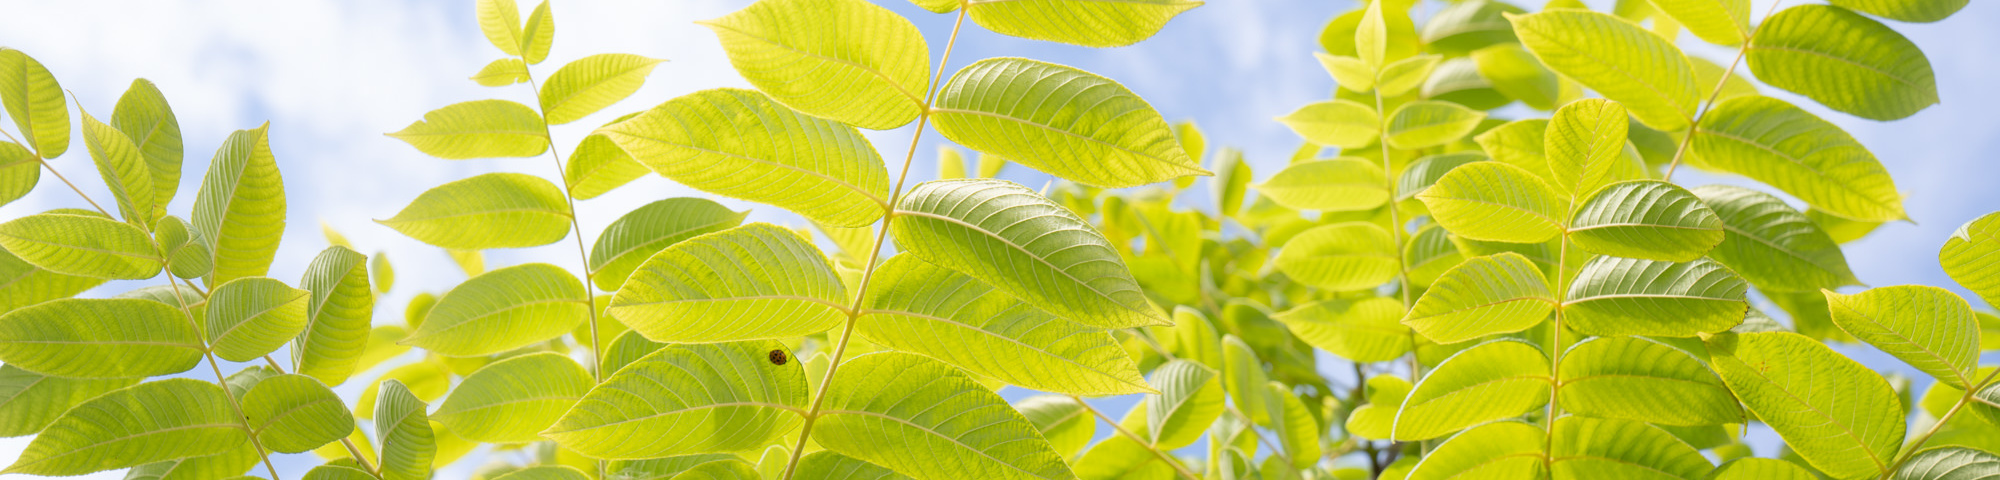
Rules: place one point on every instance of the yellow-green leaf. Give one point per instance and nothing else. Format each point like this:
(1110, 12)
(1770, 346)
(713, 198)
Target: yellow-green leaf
(503, 310)
(241, 206)
(1646, 219)
(32, 96)
(635, 237)
(1339, 123)
(591, 83)
(151, 422)
(478, 129)
(1928, 327)
(1486, 295)
(1497, 202)
(1342, 256)
(1429, 123)
(143, 115)
(1088, 23)
(1843, 60)
(751, 282)
(1364, 331)
(1841, 417)
(1789, 148)
(847, 60)
(513, 400)
(1067, 122)
(928, 420)
(253, 316)
(1337, 185)
(1636, 378)
(1618, 59)
(82, 245)
(676, 400)
(1490, 381)
(494, 210)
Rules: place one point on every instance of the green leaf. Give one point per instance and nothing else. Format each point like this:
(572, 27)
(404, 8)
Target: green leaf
(1583, 142)
(1928, 327)
(1752, 468)
(1363, 331)
(382, 346)
(1467, 26)
(150, 422)
(478, 129)
(408, 443)
(674, 401)
(295, 414)
(1190, 398)
(1841, 417)
(1518, 74)
(143, 116)
(82, 245)
(427, 379)
(1402, 76)
(598, 166)
(825, 465)
(1430, 254)
(1646, 219)
(1490, 381)
(627, 348)
(1297, 427)
(1486, 295)
(100, 338)
(241, 206)
(23, 284)
(253, 316)
(636, 236)
(35, 100)
(1349, 72)
(1923, 11)
(1430, 123)
(1624, 62)
(1340, 257)
(1423, 173)
(232, 462)
(20, 170)
(1786, 147)
(1968, 257)
(548, 472)
(1614, 296)
(338, 315)
(740, 144)
(1012, 238)
(1496, 202)
(501, 73)
(1723, 22)
(1636, 378)
(30, 401)
(189, 255)
(538, 35)
(745, 283)
(591, 83)
(1078, 22)
(500, 20)
(1520, 143)
(847, 60)
(1843, 60)
(1371, 37)
(1952, 463)
(1500, 450)
(1060, 419)
(927, 420)
(513, 400)
(1589, 448)
(503, 310)
(1341, 123)
(933, 311)
(494, 210)
(1067, 122)
(1243, 378)
(124, 171)
(1772, 245)
(1231, 180)
(1337, 185)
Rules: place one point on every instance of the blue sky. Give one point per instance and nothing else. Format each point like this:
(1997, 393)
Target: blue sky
(332, 75)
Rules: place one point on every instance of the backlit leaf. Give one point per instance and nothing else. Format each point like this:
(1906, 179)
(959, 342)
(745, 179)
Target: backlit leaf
(32, 96)
(933, 311)
(1061, 420)
(591, 83)
(100, 338)
(1614, 296)
(745, 283)
(1067, 122)
(1584, 140)
(847, 60)
(123, 169)
(1636, 378)
(1498, 451)
(338, 316)
(1906, 10)
(1951, 463)
(1590, 448)
(689, 398)
(503, 310)
(928, 420)
(20, 170)
(295, 414)
(1364, 331)
(1341, 256)
(500, 20)
(1841, 417)
(1486, 295)
(494, 210)
(30, 401)
(1624, 62)
(1928, 327)
(82, 245)
(1772, 245)
(253, 316)
(1338, 185)
(1843, 60)
(1491, 381)
(146, 423)
(1425, 124)
(538, 35)
(740, 144)
(1190, 398)
(241, 206)
(1786, 147)
(23, 284)
(636, 236)
(1012, 238)
(1339, 123)
(1968, 257)
(1724, 22)
(1078, 22)
(1497, 202)
(478, 129)
(1646, 219)
(502, 72)
(407, 442)
(513, 400)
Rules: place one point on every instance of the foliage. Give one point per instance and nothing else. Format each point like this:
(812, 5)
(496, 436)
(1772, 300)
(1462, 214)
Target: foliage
(1515, 297)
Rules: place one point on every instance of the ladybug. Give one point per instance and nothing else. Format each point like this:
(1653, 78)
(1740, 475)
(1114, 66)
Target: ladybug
(778, 357)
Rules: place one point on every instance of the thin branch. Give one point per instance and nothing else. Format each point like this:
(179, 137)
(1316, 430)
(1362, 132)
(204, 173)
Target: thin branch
(1715, 93)
(1164, 457)
(1911, 450)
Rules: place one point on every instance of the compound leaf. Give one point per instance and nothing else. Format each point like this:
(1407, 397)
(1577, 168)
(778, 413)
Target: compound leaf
(745, 283)
(82, 245)
(338, 315)
(494, 210)
(100, 338)
(1486, 295)
(150, 422)
(1067, 122)
(1496, 202)
(1490, 381)
(513, 400)
(251, 317)
(1636, 378)
(241, 206)
(848, 60)
(688, 399)
(927, 420)
(1624, 62)
(503, 310)
(32, 96)
(1340, 257)
(478, 129)
(1614, 296)
(1646, 219)
(1841, 417)
(591, 83)
(1843, 60)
